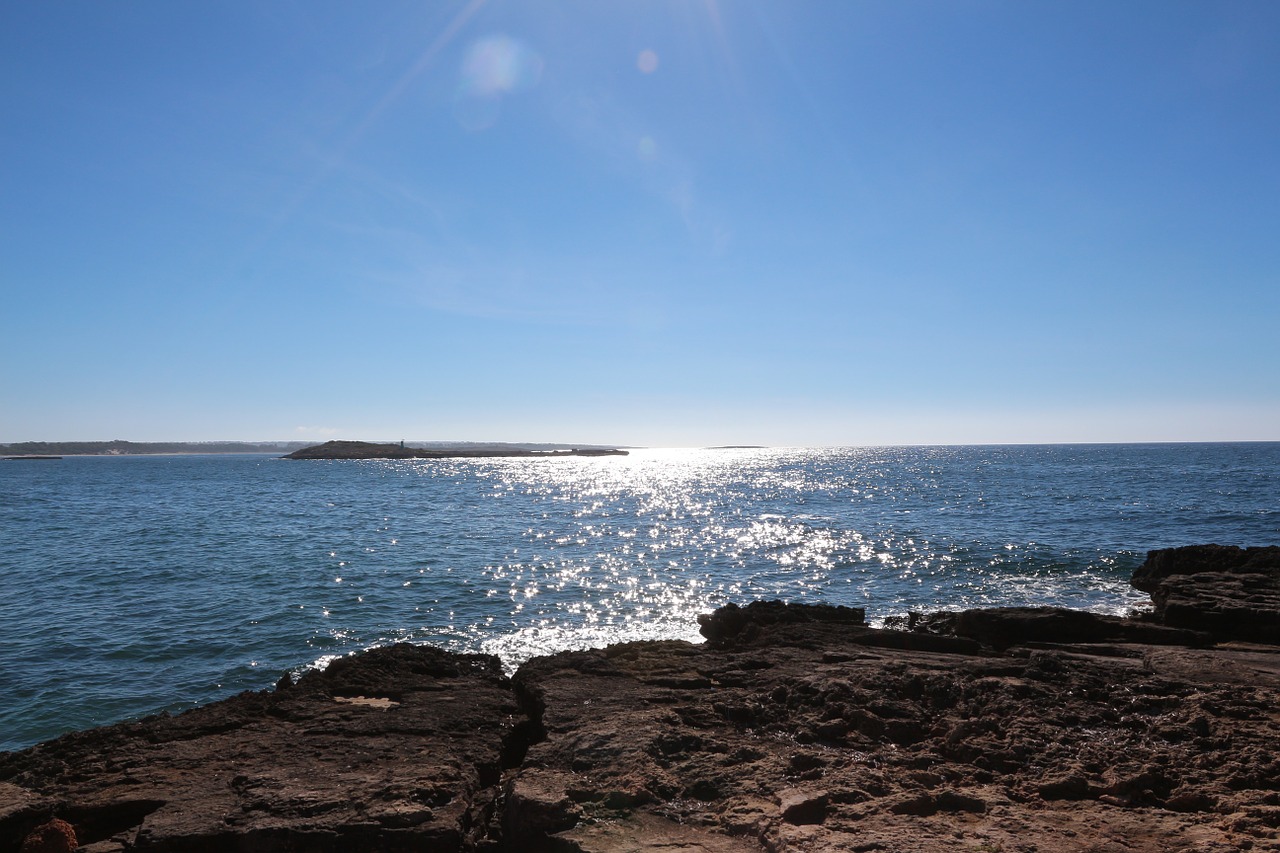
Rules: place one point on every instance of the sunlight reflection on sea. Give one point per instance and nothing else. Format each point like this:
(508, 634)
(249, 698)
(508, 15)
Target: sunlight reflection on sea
(182, 579)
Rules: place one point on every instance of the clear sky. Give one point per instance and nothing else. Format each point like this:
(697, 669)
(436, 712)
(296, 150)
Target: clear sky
(647, 223)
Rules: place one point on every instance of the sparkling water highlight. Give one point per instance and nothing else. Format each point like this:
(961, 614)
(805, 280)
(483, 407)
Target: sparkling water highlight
(133, 585)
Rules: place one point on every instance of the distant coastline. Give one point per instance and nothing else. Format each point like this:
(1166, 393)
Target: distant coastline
(370, 450)
(53, 449)
(28, 449)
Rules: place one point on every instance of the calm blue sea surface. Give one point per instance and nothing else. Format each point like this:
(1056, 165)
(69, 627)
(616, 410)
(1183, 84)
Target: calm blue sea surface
(131, 585)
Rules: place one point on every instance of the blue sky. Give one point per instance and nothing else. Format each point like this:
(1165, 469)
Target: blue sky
(649, 223)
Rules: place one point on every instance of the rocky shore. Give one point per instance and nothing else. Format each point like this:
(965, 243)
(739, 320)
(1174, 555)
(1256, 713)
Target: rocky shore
(791, 728)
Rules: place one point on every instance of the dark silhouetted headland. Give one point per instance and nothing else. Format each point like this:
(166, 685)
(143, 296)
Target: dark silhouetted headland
(369, 450)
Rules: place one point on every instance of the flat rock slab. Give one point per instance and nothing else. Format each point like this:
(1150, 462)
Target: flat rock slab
(796, 739)
(400, 748)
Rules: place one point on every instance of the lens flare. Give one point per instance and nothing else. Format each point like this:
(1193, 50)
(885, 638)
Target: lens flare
(647, 62)
(499, 65)
(494, 67)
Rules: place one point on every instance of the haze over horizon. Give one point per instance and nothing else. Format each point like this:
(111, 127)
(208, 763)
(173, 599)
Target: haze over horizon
(661, 224)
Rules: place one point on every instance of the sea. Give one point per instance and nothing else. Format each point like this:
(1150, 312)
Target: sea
(135, 585)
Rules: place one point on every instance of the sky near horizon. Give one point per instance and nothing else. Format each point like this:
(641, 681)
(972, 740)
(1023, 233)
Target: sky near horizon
(642, 223)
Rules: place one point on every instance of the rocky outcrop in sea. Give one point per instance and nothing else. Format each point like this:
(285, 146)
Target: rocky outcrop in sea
(793, 727)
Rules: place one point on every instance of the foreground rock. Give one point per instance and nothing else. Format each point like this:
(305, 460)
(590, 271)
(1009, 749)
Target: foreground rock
(792, 728)
(813, 735)
(399, 749)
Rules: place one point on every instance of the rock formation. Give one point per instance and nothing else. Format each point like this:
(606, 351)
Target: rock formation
(401, 748)
(1229, 592)
(793, 727)
(56, 836)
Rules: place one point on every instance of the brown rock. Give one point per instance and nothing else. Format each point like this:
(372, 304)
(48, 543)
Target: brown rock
(1231, 593)
(646, 833)
(56, 836)
(538, 804)
(1069, 787)
(801, 808)
(1190, 801)
(792, 732)
(396, 749)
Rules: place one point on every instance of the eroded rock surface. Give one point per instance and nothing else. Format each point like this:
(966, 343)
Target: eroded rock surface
(1233, 593)
(400, 748)
(793, 728)
(818, 736)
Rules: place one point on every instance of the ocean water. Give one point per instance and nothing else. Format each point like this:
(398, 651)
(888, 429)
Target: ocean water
(133, 585)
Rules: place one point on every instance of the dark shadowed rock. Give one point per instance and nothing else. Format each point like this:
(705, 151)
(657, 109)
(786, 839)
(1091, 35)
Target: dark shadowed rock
(56, 836)
(1231, 593)
(732, 622)
(1197, 559)
(764, 622)
(1002, 627)
(395, 749)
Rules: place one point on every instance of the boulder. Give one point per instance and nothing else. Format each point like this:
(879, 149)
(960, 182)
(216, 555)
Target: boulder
(55, 836)
(731, 622)
(1228, 592)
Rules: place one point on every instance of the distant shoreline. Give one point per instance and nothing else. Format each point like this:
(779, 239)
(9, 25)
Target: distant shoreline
(32, 449)
(370, 450)
(47, 449)
(51, 449)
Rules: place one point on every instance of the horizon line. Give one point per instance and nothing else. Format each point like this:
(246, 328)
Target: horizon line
(732, 445)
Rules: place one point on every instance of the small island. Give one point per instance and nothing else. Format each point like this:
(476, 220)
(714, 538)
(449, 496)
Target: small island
(370, 450)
